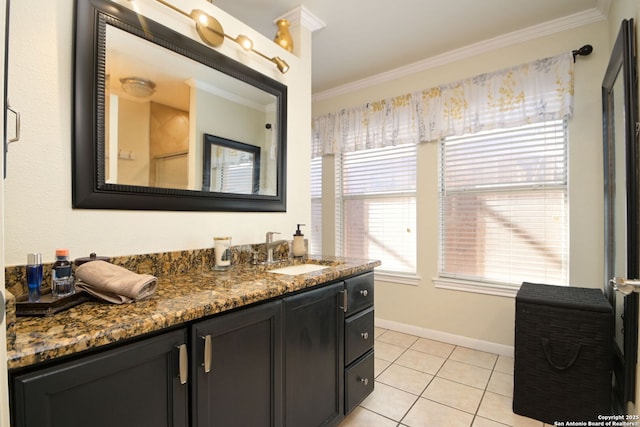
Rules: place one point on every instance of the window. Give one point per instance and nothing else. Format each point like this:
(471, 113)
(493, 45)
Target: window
(315, 240)
(378, 206)
(503, 205)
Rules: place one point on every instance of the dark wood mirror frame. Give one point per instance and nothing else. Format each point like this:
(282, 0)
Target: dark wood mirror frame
(211, 140)
(622, 69)
(89, 190)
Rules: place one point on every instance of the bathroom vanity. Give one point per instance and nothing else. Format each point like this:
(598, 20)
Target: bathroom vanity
(239, 347)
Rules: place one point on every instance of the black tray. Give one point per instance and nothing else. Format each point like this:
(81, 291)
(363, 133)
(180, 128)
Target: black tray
(48, 304)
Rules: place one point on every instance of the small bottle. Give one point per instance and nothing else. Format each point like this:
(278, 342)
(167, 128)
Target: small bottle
(298, 249)
(34, 276)
(61, 278)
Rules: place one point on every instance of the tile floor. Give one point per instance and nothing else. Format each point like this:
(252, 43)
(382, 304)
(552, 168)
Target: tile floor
(420, 382)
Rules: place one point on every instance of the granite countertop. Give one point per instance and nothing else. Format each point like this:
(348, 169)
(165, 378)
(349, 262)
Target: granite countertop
(179, 299)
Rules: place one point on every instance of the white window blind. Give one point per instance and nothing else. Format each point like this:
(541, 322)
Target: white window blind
(378, 206)
(503, 205)
(236, 178)
(315, 239)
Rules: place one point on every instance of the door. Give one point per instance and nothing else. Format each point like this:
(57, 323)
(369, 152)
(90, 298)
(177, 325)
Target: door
(622, 205)
(314, 357)
(238, 368)
(4, 393)
(139, 384)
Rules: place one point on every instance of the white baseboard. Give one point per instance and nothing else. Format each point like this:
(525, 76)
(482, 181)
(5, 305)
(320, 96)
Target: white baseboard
(490, 347)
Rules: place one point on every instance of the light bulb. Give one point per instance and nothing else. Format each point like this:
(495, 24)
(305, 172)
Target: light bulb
(245, 42)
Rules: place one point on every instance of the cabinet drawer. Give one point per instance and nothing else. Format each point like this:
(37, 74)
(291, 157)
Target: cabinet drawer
(359, 292)
(358, 381)
(358, 335)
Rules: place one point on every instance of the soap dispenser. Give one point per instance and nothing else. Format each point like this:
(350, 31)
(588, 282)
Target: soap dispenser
(298, 249)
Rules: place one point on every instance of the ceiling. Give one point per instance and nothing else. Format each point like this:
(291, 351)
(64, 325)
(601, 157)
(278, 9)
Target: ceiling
(363, 38)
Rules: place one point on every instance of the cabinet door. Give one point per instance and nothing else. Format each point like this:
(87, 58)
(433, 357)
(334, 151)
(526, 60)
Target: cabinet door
(314, 355)
(238, 368)
(134, 385)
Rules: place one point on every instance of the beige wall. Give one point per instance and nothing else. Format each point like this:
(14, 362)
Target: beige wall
(488, 318)
(38, 209)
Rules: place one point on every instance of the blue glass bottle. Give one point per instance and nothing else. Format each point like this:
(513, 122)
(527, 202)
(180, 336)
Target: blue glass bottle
(34, 276)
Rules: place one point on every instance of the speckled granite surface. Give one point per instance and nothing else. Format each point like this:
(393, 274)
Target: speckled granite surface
(158, 264)
(184, 294)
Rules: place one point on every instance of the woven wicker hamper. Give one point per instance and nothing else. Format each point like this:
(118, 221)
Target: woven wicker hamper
(563, 353)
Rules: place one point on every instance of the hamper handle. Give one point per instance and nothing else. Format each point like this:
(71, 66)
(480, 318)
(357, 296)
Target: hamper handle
(546, 346)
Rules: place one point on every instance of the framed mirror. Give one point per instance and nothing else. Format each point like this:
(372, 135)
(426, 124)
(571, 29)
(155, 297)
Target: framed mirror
(230, 166)
(622, 204)
(147, 103)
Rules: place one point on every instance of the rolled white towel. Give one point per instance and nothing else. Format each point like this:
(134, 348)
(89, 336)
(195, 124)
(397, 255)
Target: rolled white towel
(114, 283)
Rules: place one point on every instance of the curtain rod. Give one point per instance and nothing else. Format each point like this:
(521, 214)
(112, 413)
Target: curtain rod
(583, 51)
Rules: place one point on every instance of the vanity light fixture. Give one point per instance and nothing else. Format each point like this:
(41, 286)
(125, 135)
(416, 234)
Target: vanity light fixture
(138, 87)
(210, 31)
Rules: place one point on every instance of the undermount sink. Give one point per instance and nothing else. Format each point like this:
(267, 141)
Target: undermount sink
(293, 270)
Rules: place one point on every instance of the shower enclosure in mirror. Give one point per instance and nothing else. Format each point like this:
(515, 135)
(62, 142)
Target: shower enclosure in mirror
(622, 205)
(147, 102)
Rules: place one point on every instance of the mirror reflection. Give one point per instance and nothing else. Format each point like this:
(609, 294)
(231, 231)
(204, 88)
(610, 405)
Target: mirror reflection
(230, 166)
(159, 109)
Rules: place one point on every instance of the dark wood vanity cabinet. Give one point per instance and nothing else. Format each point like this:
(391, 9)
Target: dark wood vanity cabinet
(130, 386)
(359, 338)
(300, 360)
(237, 368)
(314, 357)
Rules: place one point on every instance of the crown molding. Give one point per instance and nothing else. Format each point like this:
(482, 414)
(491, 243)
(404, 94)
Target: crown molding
(551, 27)
(303, 17)
(604, 6)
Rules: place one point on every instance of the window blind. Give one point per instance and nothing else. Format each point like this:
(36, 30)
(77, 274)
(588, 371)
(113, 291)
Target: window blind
(503, 205)
(378, 206)
(236, 178)
(315, 240)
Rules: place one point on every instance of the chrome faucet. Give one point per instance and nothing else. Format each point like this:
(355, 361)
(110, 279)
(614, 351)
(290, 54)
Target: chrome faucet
(270, 244)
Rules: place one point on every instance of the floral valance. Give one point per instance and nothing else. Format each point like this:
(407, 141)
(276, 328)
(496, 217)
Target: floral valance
(528, 93)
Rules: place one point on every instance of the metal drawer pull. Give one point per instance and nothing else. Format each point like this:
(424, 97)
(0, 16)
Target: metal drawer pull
(364, 381)
(364, 293)
(365, 335)
(207, 353)
(183, 363)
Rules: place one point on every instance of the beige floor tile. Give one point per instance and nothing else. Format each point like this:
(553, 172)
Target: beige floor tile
(420, 361)
(499, 408)
(361, 417)
(429, 414)
(379, 366)
(398, 338)
(406, 364)
(501, 383)
(504, 364)
(474, 357)
(386, 351)
(483, 422)
(465, 374)
(379, 331)
(389, 401)
(406, 379)
(435, 348)
(456, 395)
